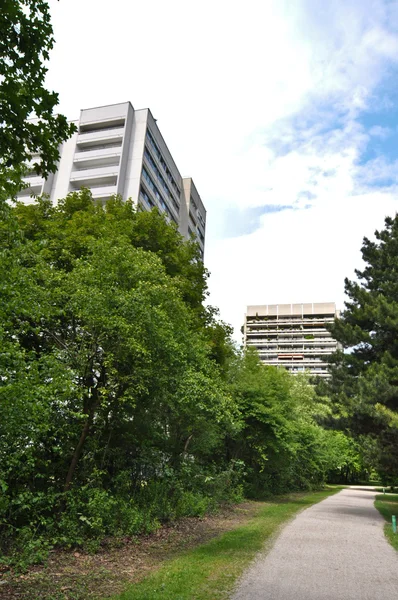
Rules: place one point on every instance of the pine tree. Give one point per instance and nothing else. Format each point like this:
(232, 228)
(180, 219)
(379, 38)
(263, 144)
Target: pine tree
(365, 379)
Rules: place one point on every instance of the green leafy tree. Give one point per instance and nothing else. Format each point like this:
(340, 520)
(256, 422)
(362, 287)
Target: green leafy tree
(26, 38)
(123, 400)
(76, 221)
(265, 441)
(110, 394)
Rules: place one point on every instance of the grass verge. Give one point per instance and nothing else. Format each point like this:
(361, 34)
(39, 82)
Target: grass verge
(210, 571)
(387, 505)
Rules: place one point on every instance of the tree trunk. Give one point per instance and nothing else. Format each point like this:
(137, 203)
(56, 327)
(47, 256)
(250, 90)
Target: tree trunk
(187, 444)
(346, 474)
(78, 451)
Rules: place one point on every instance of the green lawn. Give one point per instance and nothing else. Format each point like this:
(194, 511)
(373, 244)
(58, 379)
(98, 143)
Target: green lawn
(209, 572)
(387, 505)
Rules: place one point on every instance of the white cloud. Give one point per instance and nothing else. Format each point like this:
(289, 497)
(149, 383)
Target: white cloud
(296, 256)
(259, 102)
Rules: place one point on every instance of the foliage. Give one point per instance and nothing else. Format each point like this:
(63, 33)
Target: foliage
(26, 38)
(109, 391)
(281, 442)
(123, 400)
(364, 386)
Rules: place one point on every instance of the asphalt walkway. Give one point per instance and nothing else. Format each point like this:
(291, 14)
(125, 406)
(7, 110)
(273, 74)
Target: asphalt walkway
(335, 550)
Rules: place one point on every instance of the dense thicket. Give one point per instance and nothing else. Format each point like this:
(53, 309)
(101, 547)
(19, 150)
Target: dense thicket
(123, 401)
(364, 386)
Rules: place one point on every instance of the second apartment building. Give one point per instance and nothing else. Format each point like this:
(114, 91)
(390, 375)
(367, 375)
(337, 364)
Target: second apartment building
(120, 150)
(293, 336)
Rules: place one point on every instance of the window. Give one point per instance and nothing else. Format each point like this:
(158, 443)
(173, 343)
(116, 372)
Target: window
(150, 183)
(146, 197)
(162, 162)
(201, 219)
(158, 196)
(161, 179)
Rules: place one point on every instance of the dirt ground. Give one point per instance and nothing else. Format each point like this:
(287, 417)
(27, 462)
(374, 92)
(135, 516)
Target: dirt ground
(75, 575)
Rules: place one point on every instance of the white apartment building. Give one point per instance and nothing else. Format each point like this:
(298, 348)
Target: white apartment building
(119, 150)
(293, 336)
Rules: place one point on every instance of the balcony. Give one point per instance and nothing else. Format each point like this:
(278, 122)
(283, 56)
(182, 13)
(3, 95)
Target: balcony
(289, 318)
(286, 331)
(298, 342)
(35, 187)
(103, 124)
(106, 136)
(96, 176)
(305, 352)
(97, 158)
(304, 364)
(103, 193)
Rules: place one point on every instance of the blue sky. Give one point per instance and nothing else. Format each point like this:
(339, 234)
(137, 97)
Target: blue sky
(284, 112)
(382, 120)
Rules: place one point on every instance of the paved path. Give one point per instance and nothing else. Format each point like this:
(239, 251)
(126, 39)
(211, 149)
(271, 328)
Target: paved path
(335, 550)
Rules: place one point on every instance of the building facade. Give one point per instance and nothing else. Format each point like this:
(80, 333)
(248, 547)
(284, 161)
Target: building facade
(293, 336)
(120, 150)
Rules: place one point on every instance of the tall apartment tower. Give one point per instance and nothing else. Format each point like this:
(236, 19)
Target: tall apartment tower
(119, 150)
(293, 336)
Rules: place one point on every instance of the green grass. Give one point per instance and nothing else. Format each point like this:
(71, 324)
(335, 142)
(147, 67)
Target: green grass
(210, 571)
(387, 505)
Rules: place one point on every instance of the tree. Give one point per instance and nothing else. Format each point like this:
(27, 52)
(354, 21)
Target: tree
(77, 220)
(26, 38)
(264, 440)
(280, 438)
(123, 400)
(364, 380)
(111, 393)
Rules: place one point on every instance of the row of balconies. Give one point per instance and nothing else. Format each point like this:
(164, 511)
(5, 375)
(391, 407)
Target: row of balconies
(272, 336)
(321, 357)
(291, 341)
(97, 159)
(288, 331)
(306, 349)
(321, 354)
(296, 363)
(288, 321)
(288, 327)
(310, 354)
(297, 349)
(293, 324)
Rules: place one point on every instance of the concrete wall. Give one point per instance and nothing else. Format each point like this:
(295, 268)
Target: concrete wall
(60, 187)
